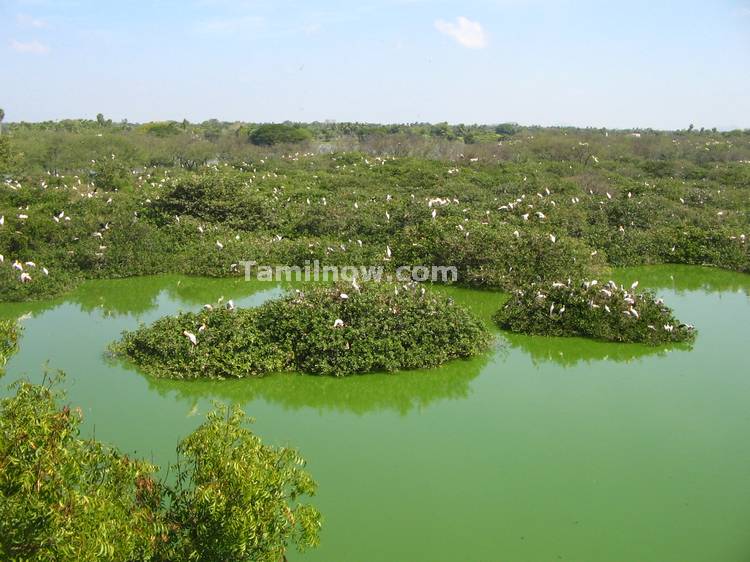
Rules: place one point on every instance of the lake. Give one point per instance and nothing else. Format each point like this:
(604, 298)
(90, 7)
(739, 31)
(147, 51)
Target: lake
(543, 449)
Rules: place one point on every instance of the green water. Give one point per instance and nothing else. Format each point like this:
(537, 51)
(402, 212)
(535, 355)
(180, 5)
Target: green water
(543, 450)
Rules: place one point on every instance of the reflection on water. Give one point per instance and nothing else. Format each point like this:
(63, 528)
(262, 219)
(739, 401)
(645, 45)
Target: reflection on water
(571, 351)
(683, 278)
(401, 392)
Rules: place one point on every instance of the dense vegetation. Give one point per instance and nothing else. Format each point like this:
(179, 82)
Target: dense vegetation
(605, 312)
(66, 498)
(91, 199)
(324, 330)
(8, 341)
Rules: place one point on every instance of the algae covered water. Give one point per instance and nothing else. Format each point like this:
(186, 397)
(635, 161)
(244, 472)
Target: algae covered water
(543, 449)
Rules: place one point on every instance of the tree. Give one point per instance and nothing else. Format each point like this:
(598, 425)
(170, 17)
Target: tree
(67, 498)
(275, 133)
(2, 116)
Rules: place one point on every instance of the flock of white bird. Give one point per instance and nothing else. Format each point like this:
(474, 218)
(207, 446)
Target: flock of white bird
(621, 299)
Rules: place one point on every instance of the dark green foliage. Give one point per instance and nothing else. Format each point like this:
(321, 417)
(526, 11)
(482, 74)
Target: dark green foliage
(64, 498)
(9, 332)
(385, 328)
(605, 312)
(231, 345)
(318, 331)
(279, 133)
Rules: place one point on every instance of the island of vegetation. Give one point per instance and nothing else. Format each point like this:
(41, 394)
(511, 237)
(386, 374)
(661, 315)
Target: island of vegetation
(589, 309)
(324, 330)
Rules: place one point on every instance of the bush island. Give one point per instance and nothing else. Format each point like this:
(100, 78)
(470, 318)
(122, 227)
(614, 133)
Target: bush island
(327, 330)
(66, 498)
(588, 309)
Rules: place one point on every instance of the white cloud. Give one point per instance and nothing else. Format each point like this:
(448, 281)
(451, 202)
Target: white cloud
(26, 20)
(466, 32)
(33, 47)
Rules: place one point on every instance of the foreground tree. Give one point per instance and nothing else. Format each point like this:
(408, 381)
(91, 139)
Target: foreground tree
(64, 498)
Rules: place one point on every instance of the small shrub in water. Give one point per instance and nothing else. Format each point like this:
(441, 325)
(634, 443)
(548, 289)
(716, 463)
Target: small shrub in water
(328, 330)
(605, 312)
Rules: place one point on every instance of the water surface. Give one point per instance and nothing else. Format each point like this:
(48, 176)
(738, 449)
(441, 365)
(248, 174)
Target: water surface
(544, 449)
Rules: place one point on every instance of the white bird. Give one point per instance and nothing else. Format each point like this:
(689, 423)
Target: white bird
(634, 285)
(338, 323)
(343, 296)
(355, 285)
(525, 217)
(208, 307)
(607, 308)
(219, 245)
(202, 328)
(17, 265)
(434, 213)
(25, 277)
(230, 305)
(191, 337)
(552, 237)
(2, 220)
(388, 252)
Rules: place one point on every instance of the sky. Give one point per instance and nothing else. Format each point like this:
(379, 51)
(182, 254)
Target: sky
(619, 64)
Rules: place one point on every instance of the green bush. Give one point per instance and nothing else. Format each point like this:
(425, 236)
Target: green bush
(236, 498)
(591, 310)
(8, 341)
(277, 133)
(64, 498)
(323, 330)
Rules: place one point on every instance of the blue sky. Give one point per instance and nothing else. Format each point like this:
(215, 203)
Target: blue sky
(634, 63)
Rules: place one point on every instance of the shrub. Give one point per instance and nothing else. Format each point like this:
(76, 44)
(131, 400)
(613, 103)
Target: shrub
(8, 341)
(230, 346)
(236, 498)
(384, 328)
(328, 330)
(64, 498)
(276, 133)
(588, 309)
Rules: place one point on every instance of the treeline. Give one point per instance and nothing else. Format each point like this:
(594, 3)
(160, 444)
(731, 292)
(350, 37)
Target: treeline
(70, 144)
